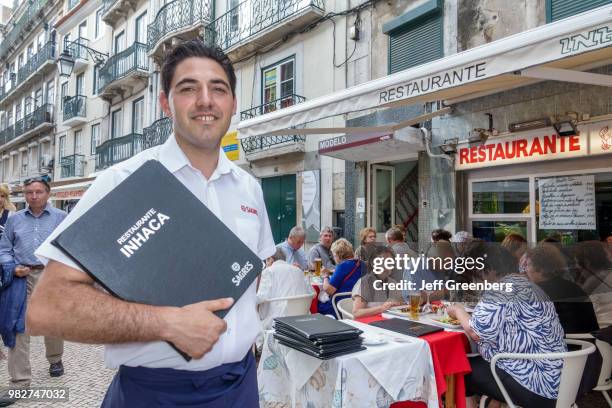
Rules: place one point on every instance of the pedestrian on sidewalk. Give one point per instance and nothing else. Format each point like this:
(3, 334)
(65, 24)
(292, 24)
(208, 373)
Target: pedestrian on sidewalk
(23, 233)
(199, 96)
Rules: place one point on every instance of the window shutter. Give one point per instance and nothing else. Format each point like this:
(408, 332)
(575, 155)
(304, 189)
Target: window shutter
(559, 9)
(416, 44)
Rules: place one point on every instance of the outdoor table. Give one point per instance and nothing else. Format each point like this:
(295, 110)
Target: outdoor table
(448, 351)
(401, 369)
(317, 284)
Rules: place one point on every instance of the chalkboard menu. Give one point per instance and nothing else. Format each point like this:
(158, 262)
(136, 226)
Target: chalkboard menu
(567, 203)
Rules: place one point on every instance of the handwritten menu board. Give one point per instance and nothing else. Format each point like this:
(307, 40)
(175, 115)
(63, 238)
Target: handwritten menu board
(567, 203)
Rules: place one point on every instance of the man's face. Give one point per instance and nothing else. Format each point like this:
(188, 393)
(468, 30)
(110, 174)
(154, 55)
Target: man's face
(326, 239)
(296, 243)
(200, 103)
(36, 195)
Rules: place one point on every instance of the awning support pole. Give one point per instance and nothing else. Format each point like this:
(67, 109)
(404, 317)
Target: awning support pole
(566, 75)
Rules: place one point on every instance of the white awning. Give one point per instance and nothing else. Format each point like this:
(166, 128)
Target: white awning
(577, 43)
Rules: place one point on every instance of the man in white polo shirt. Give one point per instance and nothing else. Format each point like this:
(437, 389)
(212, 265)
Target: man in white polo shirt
(199, 95)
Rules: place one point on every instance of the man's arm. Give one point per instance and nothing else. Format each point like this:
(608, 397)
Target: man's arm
(97, 317)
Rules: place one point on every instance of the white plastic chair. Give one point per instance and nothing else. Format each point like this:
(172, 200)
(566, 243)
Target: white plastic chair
(604, 383)
(571, 373)
(296, 305)
(347, 308)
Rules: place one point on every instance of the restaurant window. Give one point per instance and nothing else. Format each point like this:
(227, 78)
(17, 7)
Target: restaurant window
(95, 137)
(500, 197)
(278, 85)
(415, 37)
(560, 9)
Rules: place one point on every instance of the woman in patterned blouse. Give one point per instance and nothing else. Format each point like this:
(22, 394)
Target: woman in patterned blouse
(521, 321)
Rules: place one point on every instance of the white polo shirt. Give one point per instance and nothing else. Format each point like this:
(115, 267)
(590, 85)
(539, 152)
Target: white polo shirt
(231, 194)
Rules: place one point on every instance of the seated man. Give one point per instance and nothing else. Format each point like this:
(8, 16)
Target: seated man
(279, 279)
(292, 248)
(323, 251)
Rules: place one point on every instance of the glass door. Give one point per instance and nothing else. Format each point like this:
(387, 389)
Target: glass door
(382, 199)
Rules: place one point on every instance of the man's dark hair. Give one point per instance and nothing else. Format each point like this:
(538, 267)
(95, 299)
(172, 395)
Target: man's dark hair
(198, 49)
(441, 235)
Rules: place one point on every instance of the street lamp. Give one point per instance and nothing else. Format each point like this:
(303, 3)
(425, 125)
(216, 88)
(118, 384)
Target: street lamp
(65, 61)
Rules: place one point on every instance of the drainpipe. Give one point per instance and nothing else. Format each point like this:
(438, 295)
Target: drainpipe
(427, 143)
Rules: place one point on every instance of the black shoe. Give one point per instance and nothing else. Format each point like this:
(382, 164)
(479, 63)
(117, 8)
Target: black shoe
(5, 400)
(56, 369)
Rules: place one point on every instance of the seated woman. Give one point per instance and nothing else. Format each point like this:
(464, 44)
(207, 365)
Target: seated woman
(596, 271)
(348, 271)
(368, 301)
(367, 238)
(545, 267)
(522, 320)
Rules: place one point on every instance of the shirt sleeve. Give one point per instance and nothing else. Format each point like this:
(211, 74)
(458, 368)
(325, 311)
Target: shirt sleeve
(265, 286)
(265, 247)
(339, 275)
(486, 320)
(6, 243)
(103, 184)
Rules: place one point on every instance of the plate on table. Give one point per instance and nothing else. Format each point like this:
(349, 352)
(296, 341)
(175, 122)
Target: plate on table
(374, 341)
(445, 322)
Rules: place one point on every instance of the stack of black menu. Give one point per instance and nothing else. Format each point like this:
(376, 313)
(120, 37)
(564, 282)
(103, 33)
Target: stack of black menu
(318, 335)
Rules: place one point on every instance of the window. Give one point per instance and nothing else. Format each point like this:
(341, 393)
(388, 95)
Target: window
(63, 93)
(98, 26)
(501, 197)
(415, 37)
(28, 105)
(80, 79)
(95, 137)
(38, 98)
(559, 9)
(119, 44)
(51, 91)
(278, 83)
(66, 39)
(83, 29)
(116, 124)
(78, 142)
(62, 147)
(41, 40)
(18, 111)
(94, 90)
(30, 51)
(138, 115)
(20, 61)
(141, 28)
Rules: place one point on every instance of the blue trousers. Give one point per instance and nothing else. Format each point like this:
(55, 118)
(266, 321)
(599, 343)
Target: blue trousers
(229, 385)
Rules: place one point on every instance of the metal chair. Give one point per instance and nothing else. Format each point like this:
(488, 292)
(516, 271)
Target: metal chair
(571, 373)
(604, 383)
(347, 307)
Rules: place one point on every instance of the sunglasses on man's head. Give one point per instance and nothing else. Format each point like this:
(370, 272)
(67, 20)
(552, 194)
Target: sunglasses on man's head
(29, 181)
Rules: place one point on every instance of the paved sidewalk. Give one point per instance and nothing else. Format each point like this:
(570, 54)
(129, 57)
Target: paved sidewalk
(86, 375)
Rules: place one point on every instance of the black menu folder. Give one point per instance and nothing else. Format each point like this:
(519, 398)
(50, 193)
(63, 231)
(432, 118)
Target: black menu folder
(151, 241)
(406, 327)
(317, 327)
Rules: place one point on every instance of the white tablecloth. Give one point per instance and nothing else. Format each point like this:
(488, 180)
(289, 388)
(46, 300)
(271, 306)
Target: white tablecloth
(399, 370)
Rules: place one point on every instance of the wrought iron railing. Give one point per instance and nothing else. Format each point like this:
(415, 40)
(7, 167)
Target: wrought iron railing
(177, 15)
(117, 150)
(77, 48)
(7, 135)
(6, 88)
(253, 16)
(258, 143)
(75, 106)
(73, 165)
(23, 23)
(277, 104)
(47, 53)
(40, 115)
(157, 133)
(120, 65)
(72, 4)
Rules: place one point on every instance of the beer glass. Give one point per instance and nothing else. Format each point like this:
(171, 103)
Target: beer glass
(318, 263)
(415, 302)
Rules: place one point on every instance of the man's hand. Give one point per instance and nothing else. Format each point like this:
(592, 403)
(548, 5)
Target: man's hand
(389, 304)
(22, 271)
(195, 329)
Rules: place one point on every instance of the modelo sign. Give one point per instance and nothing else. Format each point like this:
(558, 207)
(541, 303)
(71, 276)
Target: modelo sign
(542, 144)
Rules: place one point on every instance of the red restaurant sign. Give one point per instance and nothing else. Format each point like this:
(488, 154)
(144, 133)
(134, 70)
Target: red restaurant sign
(521, 147)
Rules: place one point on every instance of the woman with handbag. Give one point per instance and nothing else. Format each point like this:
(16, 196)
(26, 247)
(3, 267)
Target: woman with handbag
(348, 271)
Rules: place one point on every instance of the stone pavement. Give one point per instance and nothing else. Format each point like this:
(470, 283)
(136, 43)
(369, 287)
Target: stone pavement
(86, 375)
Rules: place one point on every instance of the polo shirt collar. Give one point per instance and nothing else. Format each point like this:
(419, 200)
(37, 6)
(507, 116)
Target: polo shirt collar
(174, 159)
(47, 209)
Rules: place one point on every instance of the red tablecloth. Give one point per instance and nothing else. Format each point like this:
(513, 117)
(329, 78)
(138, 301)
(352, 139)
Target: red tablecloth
(314, 306)
(448, 352)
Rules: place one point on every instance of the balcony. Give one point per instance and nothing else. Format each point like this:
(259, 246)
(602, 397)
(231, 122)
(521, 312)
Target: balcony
(257, 23)
(24, 25)
(75, 110)
(39, 121)
(123, 71)
(157, 133)
(272, 106)
(114, 151)
(263, 147)
(73, 166)
(7, 135)
(115, 10)
(39, 64)
(178, 20)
